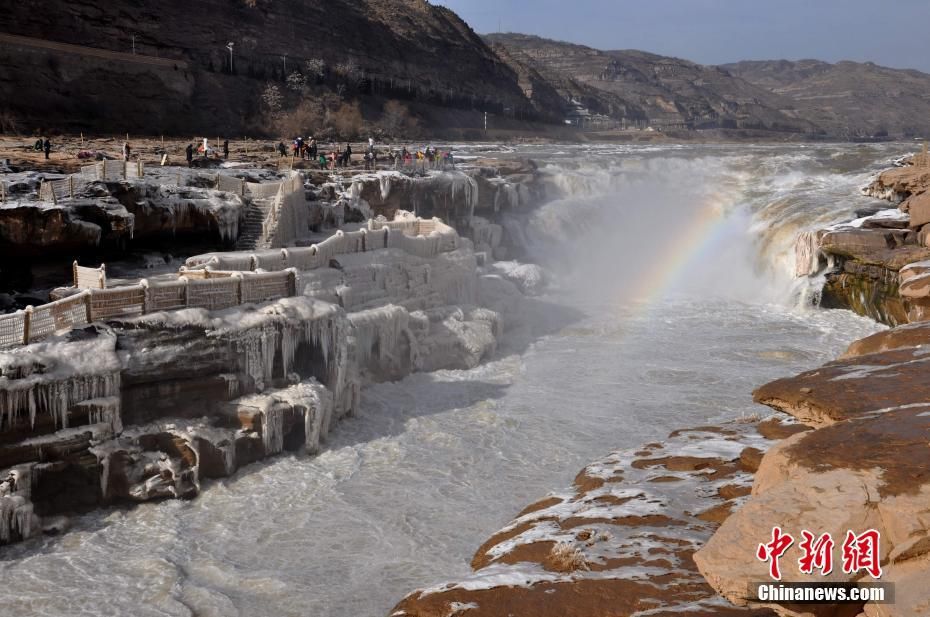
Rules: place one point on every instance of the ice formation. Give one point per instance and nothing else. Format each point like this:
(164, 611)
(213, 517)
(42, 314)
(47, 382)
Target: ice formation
(262, 377)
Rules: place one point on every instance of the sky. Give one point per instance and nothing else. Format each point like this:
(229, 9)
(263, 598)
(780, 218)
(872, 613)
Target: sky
(892, 33)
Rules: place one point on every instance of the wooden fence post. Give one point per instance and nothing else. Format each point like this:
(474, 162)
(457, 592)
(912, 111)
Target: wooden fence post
(89, 307)
(104, 172)
(27, 321)
(74, 272)
(187, 290)
(241, 278)
(103, 276)
(71, 186)
(145, 295)
(125, 169)
(291, 282)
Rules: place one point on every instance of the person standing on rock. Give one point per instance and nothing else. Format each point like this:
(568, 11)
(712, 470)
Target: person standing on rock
(47, 146)
(126, 150)
(190, 155)
(225, 148)
(347, 156)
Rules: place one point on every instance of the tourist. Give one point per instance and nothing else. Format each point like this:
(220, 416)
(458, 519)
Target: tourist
(190, 155)
(282, 149)
(47, 146)
(368, 161)
(313, 149)
(225, 148)
(322, 161)
(405, 156)
(126, 150)
(347, 156)
(371, 144)
(38, 146)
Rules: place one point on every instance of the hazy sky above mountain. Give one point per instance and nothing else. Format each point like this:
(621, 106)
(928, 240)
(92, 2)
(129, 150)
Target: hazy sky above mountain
(888, 32)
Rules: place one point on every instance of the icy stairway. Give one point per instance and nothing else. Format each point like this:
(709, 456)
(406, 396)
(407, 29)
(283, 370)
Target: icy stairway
(250, 232)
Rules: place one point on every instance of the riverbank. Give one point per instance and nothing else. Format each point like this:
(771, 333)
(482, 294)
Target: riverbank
(673, 527)
(874, 264)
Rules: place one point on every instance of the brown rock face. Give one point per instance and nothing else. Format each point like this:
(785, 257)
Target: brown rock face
(867, 466)
(579, 553)
(411, 48)
(851, 388)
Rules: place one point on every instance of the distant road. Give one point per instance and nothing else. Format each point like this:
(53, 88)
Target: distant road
(26, 41)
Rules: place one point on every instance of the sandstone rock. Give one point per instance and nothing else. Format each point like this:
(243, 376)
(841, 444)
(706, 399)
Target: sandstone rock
(911, 595)
(913, 335)
(900, 183)
(863, 473)
(892, 248)
(852, 387)
(578, 553)
(918, 206)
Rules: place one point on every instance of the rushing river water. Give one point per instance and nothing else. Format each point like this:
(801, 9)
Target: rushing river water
(674, 301)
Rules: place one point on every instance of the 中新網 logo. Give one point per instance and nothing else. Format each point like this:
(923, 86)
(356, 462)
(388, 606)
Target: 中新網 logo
(859, 552)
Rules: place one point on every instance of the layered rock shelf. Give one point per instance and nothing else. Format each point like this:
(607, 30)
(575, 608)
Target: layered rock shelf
(150, 407)
(869, 260)
(866, 466)
(621, 540)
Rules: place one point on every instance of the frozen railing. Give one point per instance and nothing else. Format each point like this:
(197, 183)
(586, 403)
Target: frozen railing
(57, 190)
(36, 323)
(216, 281)
(437, 238)
(292, 186)
(243, 188)
(212, 291)
(89, 278)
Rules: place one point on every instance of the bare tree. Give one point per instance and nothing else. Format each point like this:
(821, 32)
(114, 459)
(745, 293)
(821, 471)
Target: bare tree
(272, 98)
(315, 68)
(395, 117)
(296, 82)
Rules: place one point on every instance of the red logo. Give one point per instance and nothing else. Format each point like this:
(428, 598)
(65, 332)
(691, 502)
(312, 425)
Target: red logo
(816, 554)
(860, 553)
(773, 551)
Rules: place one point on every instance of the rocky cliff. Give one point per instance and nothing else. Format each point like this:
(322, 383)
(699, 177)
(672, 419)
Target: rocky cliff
(876, 264)
(847, 99)
(640, 89)
(150, 407)
(163, 67)
(865, 467)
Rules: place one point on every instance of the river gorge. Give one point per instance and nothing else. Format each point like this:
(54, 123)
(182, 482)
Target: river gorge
(670, 297)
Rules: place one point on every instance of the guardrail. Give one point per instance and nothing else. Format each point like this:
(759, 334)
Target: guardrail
(211, 292)
(217, 281)
(57, 190)
(424, 238)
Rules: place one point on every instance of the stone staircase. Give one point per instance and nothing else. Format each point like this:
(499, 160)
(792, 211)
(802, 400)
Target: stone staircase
(250, 231)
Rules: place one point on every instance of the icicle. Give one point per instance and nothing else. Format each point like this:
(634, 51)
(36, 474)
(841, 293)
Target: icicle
(807, 254)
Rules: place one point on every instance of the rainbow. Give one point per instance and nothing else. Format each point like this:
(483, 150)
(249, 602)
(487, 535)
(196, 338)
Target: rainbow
(697, 238)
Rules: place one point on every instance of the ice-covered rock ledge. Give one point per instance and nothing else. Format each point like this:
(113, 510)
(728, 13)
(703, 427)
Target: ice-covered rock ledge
(863, 257)
(867, 466)
(151, 406)
(619, 541)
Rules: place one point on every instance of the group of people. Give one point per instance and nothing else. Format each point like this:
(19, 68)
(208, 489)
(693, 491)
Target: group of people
(43, 145)
(333, 157)
(205, 150)
(428, 158)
